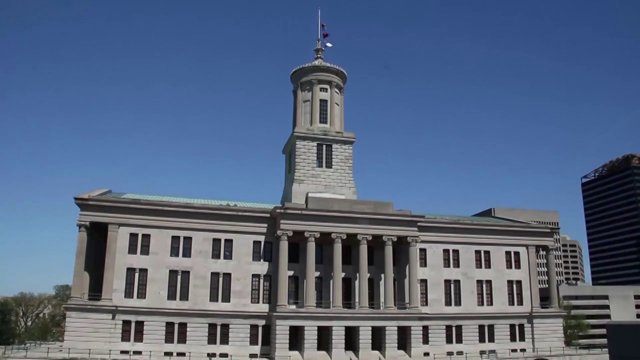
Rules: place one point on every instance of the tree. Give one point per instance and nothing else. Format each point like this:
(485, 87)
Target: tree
(56, 318)
(30, 310)
(7, 325)
(573, 325)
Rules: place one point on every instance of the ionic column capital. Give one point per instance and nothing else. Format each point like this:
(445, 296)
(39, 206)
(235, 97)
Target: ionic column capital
(388, 239)
(413, 240)
(82, 226)
(338, 237)
(284, 235)
(363, 238)
(311, 236)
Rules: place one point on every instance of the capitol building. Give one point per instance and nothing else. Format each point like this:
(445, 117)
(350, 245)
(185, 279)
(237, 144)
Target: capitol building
(322, 275)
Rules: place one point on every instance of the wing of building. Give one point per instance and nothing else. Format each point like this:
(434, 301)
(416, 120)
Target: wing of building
(320, 275)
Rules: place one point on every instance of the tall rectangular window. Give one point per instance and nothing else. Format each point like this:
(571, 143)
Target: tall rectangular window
(448, 334)
(491, 334)
(324, 112)
(215, 248)
(125, 334)
(186, 247)
(293, 290)
(133, 244)
(318, 286)
(324, 156)
(484, 293)
(129, 283)
(255, 289)
(266, 289)
(226, 287)
(480, 292)
(425, 335)
(513, 333)
(172, 289)
(138, 334)
(214, 287)
(488, 291)
(516, 260)
(487, 259)
(175, 246)
(478, 255)
(228, 249)
(169, 332)
(456, 258)
(224, 334)
(521, 336)
(142, 283)
(254, 335)
(457, 293)
(145, 245)
(422, 255)
(266, 335)
(372, 292)
(508, 260)
(184, 285)
(256, 251)
(319, 254)
(424, 296)
(482, 334)
(447, 293)
(510, 296)
(446, 258)
(519, 295)
(182, 333)
(267, 251)
(459, 336)
(294, 252)
(212, 334)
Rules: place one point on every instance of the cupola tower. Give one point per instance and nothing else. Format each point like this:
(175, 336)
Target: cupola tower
(318, 153)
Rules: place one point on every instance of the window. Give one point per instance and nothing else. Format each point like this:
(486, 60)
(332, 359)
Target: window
(267, 251)
(254, 335)
(478, 254)
(508, 260)
(172, 289)
(133, 244)
(456, 258)
(453, 333)
(517, 333)
(512, 259)
(255, 289)
(486, 334)
(347, 256)
(175, 246)
(425, 335)
(324, 156)
(138, 334)
(514, 293)
(212, 334)
(446, 258)
(215, 248)
(516, 260)
(318, 285)
(319, 257)
(424, 298)
(228, 249)
(257, 251)
(226, 287)
(452, 293)
(487, 259)
(484, 293)
(266, 335)
(422, 257)
(294, 252)
(169, 332)
(214, 287)
(324, 110)
(266, 289)
(182, 333)
(224, 334)
(125, 334)
(130, 280)
(145, 244)
(324, 90)
(293, 290)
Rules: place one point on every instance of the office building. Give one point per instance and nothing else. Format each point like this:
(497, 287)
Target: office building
(572, 261)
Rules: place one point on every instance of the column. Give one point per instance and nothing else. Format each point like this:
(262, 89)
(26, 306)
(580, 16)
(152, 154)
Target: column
(298, 121)
(80, 285)
(388, 271)
(553, 282)
(533, 277)
(283, 267)
(336, 302)
(315, 104)
(333, 121)
(310, 270)
(414, 291)
(341, 126)
(109, 262)
(363, 272)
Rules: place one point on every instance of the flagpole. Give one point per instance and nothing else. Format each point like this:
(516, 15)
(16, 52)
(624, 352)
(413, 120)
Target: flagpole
(319, 34)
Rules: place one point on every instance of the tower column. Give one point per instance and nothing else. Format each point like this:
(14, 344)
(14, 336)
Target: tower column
(283, 268)
(79, 287)
(336, 302)
(310, 270)
(363, 272)
(332, 108)
(414, 293)
(298, 113)
(315, 104)
(553, 282)
(388, 271)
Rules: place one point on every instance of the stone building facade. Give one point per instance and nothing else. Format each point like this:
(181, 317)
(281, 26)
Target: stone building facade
(321, 275)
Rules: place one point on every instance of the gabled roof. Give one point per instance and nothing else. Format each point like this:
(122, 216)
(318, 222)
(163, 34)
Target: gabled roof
(184, 200)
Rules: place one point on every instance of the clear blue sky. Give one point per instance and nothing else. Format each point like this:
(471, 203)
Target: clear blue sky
(457, 105)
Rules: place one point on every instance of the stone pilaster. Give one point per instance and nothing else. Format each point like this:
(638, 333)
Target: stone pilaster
(110, 262)
(315, 105)
(416, 342)
(414, 291)
(390, 342)
(533, 276)
(389, 302)
(283, 268)
(310, 341)
(80, 285)
(337, 347)
(336, 302)
(553, 282)
(310, 270)
(363, 272)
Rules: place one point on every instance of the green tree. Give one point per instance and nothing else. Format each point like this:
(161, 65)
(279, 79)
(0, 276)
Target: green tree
(30, 312)
(56, 318)
(573, 325)
(7, 324)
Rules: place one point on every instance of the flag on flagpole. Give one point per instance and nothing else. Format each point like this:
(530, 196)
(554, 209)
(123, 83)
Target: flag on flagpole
(325, 35)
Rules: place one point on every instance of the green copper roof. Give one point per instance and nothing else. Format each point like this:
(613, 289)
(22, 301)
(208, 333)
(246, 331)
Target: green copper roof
(184, 200)
(471, 219)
